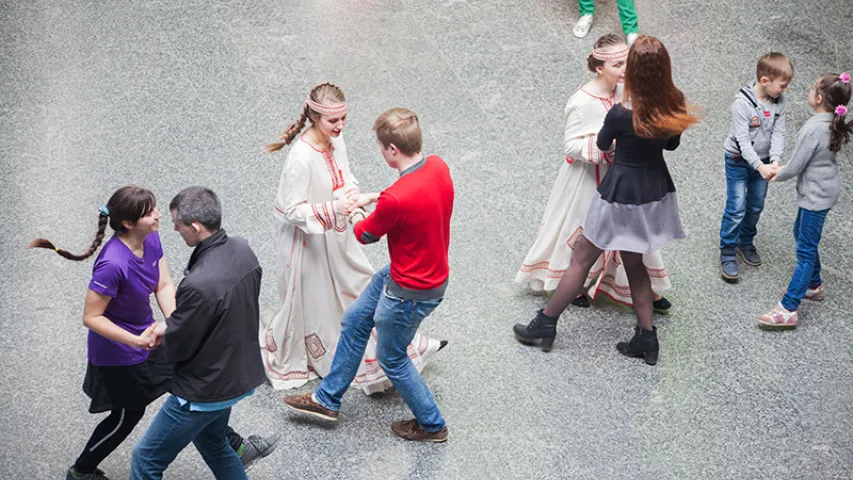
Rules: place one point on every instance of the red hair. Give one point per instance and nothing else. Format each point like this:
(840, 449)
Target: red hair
(660, 110)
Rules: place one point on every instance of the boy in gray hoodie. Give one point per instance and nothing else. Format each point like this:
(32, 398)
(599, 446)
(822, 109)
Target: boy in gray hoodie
(756, 141)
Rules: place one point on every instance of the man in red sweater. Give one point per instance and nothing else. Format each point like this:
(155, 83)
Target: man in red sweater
(414, 213)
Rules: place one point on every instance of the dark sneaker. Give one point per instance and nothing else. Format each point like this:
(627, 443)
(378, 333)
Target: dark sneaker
(256, 447)
(662, 305)
(305, 404)
(749, 255)
(410, 430)
(581, 301)
(98, 475)
(728, 265)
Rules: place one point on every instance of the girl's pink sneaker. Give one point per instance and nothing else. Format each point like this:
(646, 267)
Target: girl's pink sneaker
(815, 294)
(778, 317)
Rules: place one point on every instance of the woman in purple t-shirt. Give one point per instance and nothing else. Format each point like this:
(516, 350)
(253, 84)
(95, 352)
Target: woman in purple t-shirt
(123, 375)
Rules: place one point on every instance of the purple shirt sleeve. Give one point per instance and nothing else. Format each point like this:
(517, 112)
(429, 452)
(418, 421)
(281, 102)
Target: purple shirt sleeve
(106, 278)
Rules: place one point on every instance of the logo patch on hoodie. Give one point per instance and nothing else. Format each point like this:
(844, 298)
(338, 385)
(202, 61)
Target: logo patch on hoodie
(754, 121)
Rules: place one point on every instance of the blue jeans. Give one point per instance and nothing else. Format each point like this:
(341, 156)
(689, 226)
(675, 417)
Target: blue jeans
(745, 194)
(173, 428)
(396, 321)
(808, 229)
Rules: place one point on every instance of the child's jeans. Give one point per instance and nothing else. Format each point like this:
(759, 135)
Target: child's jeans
(808, 229)
(745, 194)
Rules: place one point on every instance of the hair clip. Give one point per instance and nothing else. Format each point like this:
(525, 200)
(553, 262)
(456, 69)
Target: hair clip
(841, 110)
(104, 211)
(844, 77)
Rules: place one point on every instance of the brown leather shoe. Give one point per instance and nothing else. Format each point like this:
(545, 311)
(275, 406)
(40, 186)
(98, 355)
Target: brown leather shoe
(410, 430)
(305, 404)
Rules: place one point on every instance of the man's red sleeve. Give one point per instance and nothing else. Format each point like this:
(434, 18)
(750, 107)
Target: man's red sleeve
(380, 222)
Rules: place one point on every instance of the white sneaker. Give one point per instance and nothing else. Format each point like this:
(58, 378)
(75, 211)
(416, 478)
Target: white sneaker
(632, 37)
(582, 27)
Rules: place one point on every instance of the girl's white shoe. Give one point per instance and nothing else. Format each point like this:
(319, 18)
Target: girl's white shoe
(582, 27)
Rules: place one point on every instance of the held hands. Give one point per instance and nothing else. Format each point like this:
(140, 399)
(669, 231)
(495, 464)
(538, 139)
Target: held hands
(769, 172)
(352, 205)
(152, 337)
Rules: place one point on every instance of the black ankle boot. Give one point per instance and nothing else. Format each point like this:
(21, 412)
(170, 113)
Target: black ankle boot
(643, 345)
(542, 329)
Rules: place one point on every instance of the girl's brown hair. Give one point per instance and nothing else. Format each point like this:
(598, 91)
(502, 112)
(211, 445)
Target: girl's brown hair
(128, 204)
(834, 93)
(603, 42)
(325, 93)
(660, 110)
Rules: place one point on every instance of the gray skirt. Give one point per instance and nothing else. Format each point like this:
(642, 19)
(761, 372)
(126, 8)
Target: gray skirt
(640, 228)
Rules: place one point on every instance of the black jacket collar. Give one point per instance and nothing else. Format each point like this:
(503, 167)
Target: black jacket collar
(217, 238)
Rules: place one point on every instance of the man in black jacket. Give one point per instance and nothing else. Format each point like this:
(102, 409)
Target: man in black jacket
(212, 339)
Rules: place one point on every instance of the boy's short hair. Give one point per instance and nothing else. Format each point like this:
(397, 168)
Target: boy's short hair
(774, 65)
(400, 127)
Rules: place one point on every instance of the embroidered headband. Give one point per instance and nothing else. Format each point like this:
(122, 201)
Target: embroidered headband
(844, 77)
(104, 211)
(841, 110)
(605, 56)
(326, 109)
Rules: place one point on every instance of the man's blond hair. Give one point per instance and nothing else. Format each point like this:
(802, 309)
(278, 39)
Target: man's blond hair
(775, 65)
(399, 126)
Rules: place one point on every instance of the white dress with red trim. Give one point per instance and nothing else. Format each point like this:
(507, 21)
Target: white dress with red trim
(565, 214)
(320, 269)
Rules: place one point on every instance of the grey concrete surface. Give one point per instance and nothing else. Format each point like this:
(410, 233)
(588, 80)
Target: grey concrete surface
(96, 95)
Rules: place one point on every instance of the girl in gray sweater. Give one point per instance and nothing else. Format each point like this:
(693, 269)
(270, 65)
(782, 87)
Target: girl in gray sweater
(815, 165)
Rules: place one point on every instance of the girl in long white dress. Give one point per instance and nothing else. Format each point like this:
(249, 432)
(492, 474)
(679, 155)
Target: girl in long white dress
(321, 268)
(575, 186)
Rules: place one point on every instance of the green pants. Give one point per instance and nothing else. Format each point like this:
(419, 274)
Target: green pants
(627, 13)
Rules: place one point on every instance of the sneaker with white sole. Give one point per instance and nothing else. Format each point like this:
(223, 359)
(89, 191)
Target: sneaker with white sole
(815, 294)
(632, 37)
(257, 447)
(581, 28)
(779, 317)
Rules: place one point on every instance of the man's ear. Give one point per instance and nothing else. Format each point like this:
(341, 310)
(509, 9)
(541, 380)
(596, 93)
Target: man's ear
(196, 227)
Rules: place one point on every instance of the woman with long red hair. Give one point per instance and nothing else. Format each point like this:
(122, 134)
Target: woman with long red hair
(635, 210)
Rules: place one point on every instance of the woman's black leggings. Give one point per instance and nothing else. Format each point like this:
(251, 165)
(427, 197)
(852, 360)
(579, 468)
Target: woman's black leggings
(114, 429)
(107, 437)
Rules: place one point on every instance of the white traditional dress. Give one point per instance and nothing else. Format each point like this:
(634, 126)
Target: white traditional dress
(321, 269)
(565, 214)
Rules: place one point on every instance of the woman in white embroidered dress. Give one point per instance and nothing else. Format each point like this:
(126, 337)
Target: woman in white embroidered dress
(321, 268)
(585, 166)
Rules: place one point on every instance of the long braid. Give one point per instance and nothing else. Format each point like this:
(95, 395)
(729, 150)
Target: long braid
(99, 237)
(318, 94)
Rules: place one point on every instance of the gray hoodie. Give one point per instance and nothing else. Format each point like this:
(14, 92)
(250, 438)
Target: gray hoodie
(814, 165)
(758, 130)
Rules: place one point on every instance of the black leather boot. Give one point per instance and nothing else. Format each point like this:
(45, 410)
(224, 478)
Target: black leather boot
(542, 330)
(643, 345)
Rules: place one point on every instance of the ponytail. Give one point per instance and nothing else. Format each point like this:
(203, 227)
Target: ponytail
(127, 204)
(99, 237)
(835, 91)
(839, 132)
(322, 93)
(290, 132)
